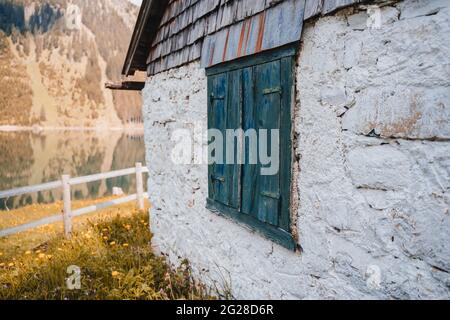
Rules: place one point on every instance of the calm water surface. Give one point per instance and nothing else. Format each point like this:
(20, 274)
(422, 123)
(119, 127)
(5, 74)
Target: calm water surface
(29, 158)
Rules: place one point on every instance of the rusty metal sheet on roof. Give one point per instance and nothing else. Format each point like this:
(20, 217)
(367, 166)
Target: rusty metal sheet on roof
(272, 28)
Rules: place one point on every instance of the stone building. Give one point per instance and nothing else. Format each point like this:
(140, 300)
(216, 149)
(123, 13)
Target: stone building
(360, 91)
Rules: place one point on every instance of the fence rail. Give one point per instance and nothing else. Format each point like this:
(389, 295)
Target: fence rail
(65, 184)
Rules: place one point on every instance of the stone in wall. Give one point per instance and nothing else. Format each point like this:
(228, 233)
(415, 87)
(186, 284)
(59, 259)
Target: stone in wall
(400, 73)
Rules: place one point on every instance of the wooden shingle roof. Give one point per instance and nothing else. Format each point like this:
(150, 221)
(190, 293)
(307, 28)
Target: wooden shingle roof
(170, 33)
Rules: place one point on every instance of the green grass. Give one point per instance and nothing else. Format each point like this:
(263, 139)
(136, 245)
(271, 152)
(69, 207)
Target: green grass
(116, 261)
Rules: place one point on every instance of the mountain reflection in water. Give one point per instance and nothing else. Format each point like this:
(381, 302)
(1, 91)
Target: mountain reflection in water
(28, 158)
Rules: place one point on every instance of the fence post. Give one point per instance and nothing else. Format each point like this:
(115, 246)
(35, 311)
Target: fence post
(139, 186)
(67, 210)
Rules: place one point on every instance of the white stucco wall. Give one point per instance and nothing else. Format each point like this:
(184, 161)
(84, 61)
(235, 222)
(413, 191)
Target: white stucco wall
(372, 156)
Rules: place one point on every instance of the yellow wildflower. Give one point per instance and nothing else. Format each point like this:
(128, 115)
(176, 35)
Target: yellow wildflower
(105, 238)
(114, 273)
(11, 265)
(126, 245)
(2, 264)
(41, 256)
(28, 253)
(112, 243)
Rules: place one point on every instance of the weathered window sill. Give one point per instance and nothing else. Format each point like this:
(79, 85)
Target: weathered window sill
(277, 235)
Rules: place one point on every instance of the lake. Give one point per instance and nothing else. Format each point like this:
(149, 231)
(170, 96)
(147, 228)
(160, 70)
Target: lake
(28, 158)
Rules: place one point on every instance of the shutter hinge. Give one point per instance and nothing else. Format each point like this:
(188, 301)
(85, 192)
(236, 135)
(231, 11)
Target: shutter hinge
(272, 90)
(217, 178)
(214, 97)
(272, 195)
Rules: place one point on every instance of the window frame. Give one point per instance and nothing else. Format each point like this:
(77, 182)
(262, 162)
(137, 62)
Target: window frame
(276, 234)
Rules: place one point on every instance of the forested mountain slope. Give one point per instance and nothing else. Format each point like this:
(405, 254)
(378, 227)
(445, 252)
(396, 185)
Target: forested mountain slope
(55, 57)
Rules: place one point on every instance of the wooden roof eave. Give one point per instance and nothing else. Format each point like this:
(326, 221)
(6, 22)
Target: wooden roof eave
(126, 85)
(148, 21)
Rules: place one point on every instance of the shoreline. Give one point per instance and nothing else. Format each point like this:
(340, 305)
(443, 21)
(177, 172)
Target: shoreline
(39, 129)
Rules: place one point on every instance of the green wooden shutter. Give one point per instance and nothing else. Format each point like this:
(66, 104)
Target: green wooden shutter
(254, 93)
(267, 90)
(233, 122)
(224, 112)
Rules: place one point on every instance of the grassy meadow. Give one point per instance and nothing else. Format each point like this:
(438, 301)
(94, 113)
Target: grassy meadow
(112, 248)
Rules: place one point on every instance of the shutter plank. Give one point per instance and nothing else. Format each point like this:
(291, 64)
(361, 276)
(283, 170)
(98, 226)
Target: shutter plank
(234, 116)
(249, 171)
(287, 85)
(217, 101)
(268, 102)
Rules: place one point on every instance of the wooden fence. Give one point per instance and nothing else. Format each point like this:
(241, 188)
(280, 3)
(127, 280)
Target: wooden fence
(65, 185)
